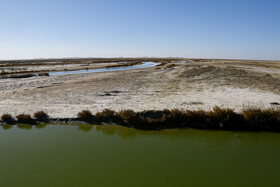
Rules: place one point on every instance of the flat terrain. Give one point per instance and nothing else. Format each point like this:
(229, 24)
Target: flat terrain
(188, 84)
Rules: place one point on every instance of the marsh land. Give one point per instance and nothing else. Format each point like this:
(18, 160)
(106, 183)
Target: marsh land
(175, 83)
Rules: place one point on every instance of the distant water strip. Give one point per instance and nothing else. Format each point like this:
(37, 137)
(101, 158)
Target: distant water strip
(143, 65)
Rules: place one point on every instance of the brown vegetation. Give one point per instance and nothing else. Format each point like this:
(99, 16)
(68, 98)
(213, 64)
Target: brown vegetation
(41, 116)
(25, 119)
(124, 64)
(218, 118)
(106, 115)
(251, 119)
(85, 115)
(7, 118)
(257, 118)
(171, 66)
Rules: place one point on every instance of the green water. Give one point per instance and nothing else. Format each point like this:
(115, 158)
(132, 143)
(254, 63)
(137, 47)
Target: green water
(117, 156)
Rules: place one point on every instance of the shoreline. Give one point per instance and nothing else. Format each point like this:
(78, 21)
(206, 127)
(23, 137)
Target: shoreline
(251, 119)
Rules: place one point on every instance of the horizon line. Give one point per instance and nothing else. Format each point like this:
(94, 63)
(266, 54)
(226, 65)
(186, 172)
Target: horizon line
(70, 58)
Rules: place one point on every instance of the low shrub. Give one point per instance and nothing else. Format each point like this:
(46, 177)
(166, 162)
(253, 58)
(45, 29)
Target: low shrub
(128, 116)
(25, 119)
(162, 64)
(197, 119)
(41, 116)
(155, 114)
(224, 118)
(173, 118)
(85, 115)
(43, 74)
(18, 76)
(7, 118)
(218, 118)
(125, 64)
(107, 115)
(171, 66)
(197, 60)
(257, 119)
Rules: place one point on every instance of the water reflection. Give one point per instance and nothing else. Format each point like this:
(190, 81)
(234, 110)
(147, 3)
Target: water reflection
(171, 134)
(84, 127)
(6, 127)
(24, 126)
(123, 132)
(40, 126)
(213, 137)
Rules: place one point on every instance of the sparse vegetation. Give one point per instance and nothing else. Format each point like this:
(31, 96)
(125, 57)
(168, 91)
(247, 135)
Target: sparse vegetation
(24, 119)
(162, 63)
(218, 118)
(197, 60)
(85, 115)
(124, 64)
(251, 119)
(7, 118)
(107, 115)
(19, 76)
(128, 116)
(171, 66)
(225, 118)
(43, 74)
(258, 119)
(41, 116)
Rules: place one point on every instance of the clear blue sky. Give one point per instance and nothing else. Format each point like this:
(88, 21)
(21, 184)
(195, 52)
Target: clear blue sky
(247, 29)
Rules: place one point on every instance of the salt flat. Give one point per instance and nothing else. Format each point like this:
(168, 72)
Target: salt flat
(188, 84)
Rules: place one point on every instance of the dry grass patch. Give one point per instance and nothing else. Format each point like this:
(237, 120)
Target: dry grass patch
(107, 115)
(41, 116)
(171, 65)
(258, 119)
(7, 118)
(25, 119)
(85, 115)
(124, 64)
(128, 116)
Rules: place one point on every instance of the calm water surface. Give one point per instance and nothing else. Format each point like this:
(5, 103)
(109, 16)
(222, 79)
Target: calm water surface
(143, 65)
(117, 156)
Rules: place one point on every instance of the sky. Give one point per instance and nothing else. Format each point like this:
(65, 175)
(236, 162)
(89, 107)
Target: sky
(241, 29)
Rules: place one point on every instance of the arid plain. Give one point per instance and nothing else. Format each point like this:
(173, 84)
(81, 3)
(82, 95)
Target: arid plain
(174, 83)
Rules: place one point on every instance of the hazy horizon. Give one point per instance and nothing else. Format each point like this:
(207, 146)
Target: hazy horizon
(62, 58)
(217, 29)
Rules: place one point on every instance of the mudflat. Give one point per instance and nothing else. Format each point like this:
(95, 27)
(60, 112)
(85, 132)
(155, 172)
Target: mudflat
(175, 83)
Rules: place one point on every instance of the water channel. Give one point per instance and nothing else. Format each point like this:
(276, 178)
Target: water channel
(140, 66)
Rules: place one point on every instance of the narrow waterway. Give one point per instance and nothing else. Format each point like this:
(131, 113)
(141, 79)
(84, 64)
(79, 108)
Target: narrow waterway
(143, 65)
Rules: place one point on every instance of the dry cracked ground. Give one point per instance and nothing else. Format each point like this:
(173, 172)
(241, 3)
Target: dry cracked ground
(188, 84)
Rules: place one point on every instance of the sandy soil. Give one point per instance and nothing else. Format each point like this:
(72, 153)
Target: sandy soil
(199, 84)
